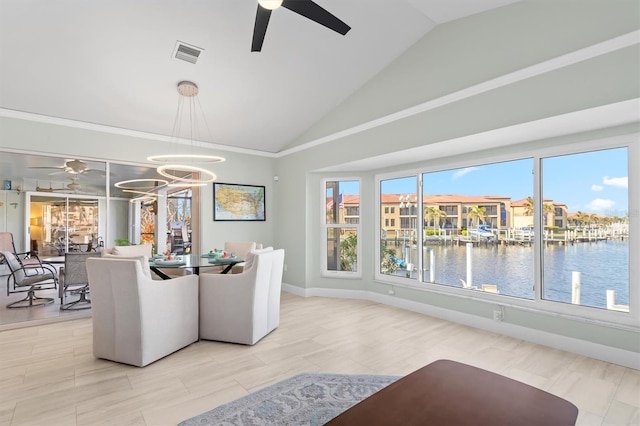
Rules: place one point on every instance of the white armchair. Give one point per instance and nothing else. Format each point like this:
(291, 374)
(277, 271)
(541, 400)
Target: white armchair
(242, 308)
(137, 320)
(241, 249)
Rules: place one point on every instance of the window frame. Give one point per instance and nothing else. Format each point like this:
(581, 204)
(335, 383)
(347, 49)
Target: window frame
(538, 304)
(325, 272)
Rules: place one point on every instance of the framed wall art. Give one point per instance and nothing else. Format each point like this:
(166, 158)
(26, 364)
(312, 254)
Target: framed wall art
(238, 202)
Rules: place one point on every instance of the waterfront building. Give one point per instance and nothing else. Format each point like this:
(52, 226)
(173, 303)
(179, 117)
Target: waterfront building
(399, 213)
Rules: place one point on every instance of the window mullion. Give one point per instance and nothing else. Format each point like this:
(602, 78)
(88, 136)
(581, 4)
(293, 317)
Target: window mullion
(538, 227)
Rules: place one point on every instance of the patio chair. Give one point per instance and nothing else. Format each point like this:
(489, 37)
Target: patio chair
(25, 258)
(29, 279)
(73, 280)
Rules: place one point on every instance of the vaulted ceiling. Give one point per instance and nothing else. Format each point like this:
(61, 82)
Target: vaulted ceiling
(111, 62)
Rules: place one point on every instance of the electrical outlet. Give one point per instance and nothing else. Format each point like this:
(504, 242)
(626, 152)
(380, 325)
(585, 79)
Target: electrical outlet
(497, 315)
(285, 266)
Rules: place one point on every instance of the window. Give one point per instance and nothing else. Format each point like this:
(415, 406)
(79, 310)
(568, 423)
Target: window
(353, 210)
(586, 252)
(452, 210)
(397, 255)
(552, 229)
(341, 227)
(481, 255)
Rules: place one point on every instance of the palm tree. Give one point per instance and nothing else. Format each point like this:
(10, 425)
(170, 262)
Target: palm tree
(349, 253)
(528, 206)
(580, 218)
(434, 213)
(548, 209)
(476, 213)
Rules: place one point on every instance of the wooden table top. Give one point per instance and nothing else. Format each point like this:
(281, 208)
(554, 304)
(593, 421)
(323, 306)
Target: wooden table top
(450, 393)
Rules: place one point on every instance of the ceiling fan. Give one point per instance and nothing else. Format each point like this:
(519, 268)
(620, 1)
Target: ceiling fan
(73, 186)
(74, 167)
(306, 8)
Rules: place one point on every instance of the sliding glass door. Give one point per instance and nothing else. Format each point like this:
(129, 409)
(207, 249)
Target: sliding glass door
(59, 223)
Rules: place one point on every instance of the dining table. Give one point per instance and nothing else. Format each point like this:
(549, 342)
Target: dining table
(192, 262)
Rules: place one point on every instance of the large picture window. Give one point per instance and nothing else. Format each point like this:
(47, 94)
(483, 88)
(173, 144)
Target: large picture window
(552, 228)
(585, 219)
(472, 222)
(341, 227)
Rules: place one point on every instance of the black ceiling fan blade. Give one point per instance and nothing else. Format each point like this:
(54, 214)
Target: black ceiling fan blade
(260, 28)
(315, 12)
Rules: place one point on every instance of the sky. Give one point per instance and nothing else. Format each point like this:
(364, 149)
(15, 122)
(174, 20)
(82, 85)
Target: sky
(592, 182)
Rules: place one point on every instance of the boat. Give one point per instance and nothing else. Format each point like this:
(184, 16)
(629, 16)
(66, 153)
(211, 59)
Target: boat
(481, 231)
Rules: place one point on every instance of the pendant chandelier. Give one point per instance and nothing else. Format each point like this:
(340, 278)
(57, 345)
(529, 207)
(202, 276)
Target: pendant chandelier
(180, 167)
(143, 187)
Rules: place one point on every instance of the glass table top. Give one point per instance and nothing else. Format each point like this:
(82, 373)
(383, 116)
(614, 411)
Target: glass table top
(193, 261)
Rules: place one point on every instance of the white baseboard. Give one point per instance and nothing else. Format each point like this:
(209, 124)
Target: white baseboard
(581, 347)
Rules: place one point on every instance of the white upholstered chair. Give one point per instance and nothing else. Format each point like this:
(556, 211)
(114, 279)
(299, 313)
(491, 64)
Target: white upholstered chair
(241, 249)
(136, 252)
(245, 307)
(137, 320)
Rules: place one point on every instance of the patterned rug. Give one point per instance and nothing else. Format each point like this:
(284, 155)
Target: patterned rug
(306, 399)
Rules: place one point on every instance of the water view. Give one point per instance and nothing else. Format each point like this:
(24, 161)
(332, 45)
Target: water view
(603, 266)
(479, 223)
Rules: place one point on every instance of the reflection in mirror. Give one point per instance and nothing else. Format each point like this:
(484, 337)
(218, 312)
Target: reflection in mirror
(53, 205)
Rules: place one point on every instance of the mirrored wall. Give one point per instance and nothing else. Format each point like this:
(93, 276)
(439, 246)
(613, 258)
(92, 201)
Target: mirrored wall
(54, 205)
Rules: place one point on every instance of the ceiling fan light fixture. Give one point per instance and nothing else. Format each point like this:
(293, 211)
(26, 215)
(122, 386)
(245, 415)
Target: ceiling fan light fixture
(270, 4)
(75, 166)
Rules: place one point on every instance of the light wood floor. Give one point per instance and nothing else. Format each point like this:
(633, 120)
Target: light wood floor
(48, 375)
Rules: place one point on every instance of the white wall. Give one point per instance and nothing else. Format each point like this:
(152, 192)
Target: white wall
(12, 216)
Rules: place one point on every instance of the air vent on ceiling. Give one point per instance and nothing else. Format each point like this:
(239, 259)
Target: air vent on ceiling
(187, 52)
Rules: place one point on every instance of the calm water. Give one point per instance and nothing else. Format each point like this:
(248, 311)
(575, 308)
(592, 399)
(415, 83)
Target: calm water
(603, 265)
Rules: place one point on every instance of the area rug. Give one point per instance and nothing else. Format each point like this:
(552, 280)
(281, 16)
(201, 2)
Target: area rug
(307, 399)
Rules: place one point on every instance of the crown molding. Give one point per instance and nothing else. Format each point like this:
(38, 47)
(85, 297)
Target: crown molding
(45, 119)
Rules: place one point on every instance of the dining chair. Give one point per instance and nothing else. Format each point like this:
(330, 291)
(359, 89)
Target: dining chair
(243, 308)
(137, 320)
(29, 279)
